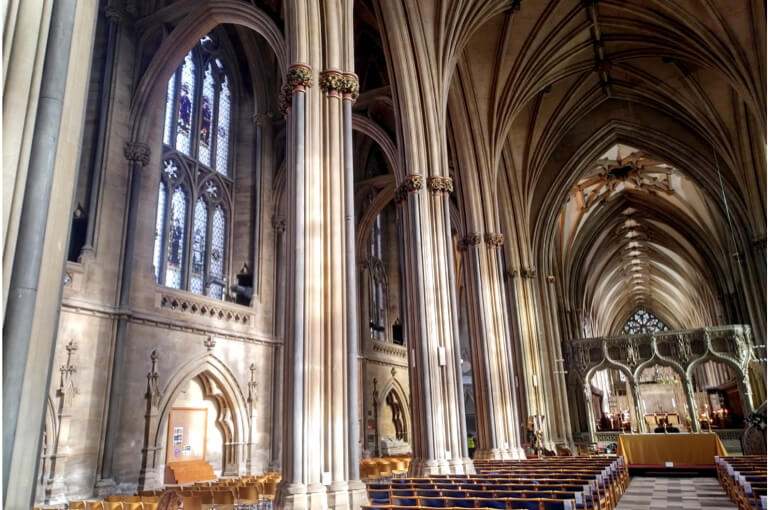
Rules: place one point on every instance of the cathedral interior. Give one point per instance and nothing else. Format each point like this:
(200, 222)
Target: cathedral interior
(307, 233)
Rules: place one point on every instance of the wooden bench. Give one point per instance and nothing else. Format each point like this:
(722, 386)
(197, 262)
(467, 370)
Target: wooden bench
(188, 472)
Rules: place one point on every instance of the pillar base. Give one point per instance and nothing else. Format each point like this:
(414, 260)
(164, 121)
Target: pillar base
(427, 467)
(292, 496)
(353, 496)
(463, 466)
(489, 454)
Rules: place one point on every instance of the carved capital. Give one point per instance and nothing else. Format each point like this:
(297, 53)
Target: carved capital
(529, 272)
(331, 82)
(137, 152)
(350, 87)
(263, 118)
(439, 185)
(284, 100)
(411, 184)
(278, 223)
(494, 240)
(474, 239)
(298, 78)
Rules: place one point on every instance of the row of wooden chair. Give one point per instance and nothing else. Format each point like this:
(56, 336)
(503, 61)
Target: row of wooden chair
(590, 483)
(744, 480)
(222, 494)
(377, 468)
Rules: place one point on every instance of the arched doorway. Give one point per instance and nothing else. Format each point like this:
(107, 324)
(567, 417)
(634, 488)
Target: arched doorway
(613, 402)
(718, 399)
(207, 385)
(663, 399)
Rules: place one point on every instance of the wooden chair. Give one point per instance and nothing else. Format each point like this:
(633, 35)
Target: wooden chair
(224, 500)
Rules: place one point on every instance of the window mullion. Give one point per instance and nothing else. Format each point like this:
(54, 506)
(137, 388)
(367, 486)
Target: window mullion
(188, 234)
(208, 243)
(194, 125)
(175, 114)
(215, 124)
(166, 231)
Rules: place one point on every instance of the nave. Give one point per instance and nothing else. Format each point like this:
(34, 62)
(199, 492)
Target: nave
(318, 237)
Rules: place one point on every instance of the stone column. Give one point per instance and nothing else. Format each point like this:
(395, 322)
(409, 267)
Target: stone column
(275, 463)
(689, 397)
(746, 393)
(495, 243)
(484, 401)
(105, 106)
(442, 187)
(292, 491)
(26, 269)
(590, 412)
(350, 88)
(437, 445)
(137, 155)
(641, 425)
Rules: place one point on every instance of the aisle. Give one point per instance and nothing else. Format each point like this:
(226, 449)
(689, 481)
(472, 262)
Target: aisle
(646, 493)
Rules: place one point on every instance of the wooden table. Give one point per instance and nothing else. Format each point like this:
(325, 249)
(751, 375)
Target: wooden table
(680, 449)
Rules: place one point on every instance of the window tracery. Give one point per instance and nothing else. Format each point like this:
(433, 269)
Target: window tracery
(196, 186)
(643, 322)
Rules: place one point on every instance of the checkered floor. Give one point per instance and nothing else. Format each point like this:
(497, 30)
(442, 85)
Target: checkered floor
(646, 493)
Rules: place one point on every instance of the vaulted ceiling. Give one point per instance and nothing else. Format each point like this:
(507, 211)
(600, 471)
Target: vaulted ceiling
(613, 135)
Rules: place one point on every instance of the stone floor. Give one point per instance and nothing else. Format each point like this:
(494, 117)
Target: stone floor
(646, 493)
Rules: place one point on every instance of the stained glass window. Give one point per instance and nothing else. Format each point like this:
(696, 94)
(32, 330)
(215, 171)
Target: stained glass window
(159, 230)
(175, 261)
(222, 130)
(197, 271)
(206, 118)
(186, 104)
(170, 97)
(218, 233)
(194, 204)
(643, 322)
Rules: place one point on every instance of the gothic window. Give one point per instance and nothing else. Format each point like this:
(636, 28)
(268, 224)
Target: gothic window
(643, 322)
(194, 195)
(378, 308)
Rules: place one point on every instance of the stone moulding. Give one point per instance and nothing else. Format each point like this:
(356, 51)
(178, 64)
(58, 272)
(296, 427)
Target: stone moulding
(350, 87)
(331, 82)
(473, 239)
(494, 240)
(388, 349)
(439, 184)
(412, 183)
(189, 305)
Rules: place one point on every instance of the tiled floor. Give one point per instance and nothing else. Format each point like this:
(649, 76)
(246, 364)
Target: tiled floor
(646, 493)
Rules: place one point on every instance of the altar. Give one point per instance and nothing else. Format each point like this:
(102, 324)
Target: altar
(682, 450)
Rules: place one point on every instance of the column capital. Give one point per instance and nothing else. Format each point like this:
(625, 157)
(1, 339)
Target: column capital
(350, 87)
(473, 240)
(529, 272)
(331, 82)
(494, 240)
(412, 183)
(439, 185)
(278, 223)
(263, 118)
(137, 152)
(298, 77)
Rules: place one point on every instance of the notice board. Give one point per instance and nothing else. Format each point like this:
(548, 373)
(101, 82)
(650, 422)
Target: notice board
(187, 428)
